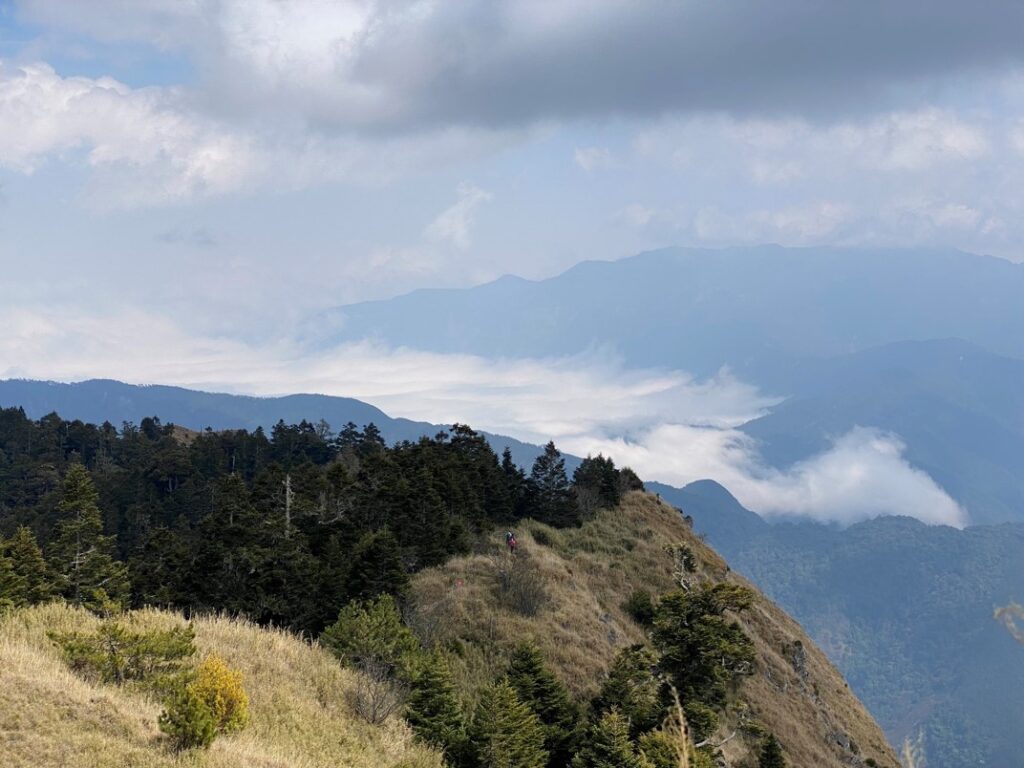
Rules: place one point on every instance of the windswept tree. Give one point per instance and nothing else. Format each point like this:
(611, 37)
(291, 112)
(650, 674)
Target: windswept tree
(702, 649)
(82, 557)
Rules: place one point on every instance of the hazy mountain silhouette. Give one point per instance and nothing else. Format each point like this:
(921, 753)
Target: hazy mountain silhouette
(99, 400)
(902, 608)
(697, 309)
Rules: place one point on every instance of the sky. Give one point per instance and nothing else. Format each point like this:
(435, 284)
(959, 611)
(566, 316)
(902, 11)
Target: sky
(184, 182)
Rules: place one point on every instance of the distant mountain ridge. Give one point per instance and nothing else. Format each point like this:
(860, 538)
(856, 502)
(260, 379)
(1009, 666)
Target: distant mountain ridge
(903, 609)
(99, 400)
(751, 308)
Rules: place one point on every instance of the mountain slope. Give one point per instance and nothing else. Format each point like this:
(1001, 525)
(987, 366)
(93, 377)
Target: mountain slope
(51, 718)
(903, 609)
(580, 623)
(958, 408)
(99, 400)
(748, 308)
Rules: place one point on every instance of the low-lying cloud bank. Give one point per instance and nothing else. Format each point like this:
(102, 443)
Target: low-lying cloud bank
(864, 474)
(665, 424)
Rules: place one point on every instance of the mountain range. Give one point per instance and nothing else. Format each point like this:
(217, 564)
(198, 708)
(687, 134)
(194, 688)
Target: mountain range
(883, 338)
(99, 400)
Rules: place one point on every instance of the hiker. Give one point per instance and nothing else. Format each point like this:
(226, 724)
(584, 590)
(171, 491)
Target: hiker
(510, 541)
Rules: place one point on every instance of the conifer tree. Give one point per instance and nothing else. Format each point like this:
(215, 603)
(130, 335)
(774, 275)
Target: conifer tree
(86, 572)
(433, 708)
(28, 563)
(771, 753)
(538, 688)
(376, 567)
(551, 497)
(370, 632)
(701, 648)
(608, 745)
(633, 688)
(12, 586)
(505, 732)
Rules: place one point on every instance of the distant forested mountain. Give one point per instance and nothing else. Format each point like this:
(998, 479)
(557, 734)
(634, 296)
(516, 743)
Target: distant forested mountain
(699, 309)
(902, 608)
(100, 400)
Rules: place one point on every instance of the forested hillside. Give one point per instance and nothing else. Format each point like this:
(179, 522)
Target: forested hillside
(905, 610)
(341, 536)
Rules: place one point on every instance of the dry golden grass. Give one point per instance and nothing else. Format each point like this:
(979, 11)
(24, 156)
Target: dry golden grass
(299, 717)
(588, 573)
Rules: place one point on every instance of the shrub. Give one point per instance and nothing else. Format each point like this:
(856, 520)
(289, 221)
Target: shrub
(370, 633)
(187, 720)
(640, 606)
(117, 654)
(220, 688)
(378, 694)
(520, 586)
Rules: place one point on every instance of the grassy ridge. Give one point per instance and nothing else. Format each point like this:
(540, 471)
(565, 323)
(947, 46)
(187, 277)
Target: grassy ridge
(300, 718)
(579, 623)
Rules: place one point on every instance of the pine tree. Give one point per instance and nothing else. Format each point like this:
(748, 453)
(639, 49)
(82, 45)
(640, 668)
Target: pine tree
(551, 496)
(433, 708)
(608, 745)
(505, 732)
(633, 688)
(771, 753)
(370, 633)
(27, 560)
(87, 573)
(538, 688)
(376, 567)
(12, 586)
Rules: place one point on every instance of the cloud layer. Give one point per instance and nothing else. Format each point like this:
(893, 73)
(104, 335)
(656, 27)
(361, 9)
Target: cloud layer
(665, 424)
(408, 63)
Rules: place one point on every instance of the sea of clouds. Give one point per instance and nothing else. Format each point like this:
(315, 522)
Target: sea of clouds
(667, 425)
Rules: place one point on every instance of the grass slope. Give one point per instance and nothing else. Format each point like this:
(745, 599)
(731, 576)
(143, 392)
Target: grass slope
(49, 717)
(586, 576)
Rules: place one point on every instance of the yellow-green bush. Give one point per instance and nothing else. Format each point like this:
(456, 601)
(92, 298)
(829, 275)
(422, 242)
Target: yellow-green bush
(220, 688)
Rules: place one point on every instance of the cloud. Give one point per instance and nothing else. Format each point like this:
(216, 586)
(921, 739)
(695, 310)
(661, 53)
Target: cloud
(666, 424)
(453, 224)
(592, 158)
(153, 146)
(410, 63)
(119, 130)
(863, 475)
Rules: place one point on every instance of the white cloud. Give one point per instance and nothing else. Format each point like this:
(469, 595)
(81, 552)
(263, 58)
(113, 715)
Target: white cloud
(120, 131)
(454, 223)
(152, 146)
(665, 424)
(863, 475)
(592, 158)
